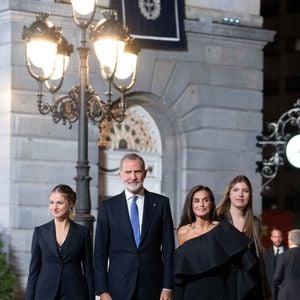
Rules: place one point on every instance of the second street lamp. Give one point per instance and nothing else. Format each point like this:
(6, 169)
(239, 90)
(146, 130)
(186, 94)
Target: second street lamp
(47, 58)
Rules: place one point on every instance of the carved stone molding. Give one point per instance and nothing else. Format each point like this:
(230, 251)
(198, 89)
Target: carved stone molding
(138, 132)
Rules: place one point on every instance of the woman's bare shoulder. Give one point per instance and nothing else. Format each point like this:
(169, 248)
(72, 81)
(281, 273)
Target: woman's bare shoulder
(183, 229)
(183, 234)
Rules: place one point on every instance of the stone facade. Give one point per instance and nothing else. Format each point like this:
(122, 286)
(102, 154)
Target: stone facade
(206, 102)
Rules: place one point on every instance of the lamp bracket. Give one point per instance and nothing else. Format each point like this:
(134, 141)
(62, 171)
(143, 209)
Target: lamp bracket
(66, 108)
(280, 132)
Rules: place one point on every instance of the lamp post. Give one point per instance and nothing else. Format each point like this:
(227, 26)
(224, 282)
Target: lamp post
(47, 58)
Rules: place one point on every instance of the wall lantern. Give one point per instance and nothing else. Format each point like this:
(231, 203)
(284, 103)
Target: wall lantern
(283, 142)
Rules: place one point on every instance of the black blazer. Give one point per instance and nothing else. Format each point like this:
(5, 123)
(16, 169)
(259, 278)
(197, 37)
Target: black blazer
(151, 264)
(48, 270)
(287, 274)
(269, 258)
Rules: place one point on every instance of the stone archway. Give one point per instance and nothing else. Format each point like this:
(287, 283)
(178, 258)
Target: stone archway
(150, 129)
(137, 133)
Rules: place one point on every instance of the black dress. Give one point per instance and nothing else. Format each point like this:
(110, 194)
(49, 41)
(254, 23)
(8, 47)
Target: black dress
(214, 266)
(261, 289)
(61, 294)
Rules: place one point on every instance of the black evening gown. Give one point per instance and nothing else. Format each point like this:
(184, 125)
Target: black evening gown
(214, 266)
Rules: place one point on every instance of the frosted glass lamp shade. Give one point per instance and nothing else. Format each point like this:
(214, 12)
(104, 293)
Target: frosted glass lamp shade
(83, 7)
(126, 65)
(61, 65)
(42, 53)
(107, 51)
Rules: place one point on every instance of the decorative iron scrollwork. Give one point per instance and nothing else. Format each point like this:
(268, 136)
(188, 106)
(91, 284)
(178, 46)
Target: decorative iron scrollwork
(280, 132)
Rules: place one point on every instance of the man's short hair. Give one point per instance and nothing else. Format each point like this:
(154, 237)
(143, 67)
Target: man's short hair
(294, 236)
(132, 156)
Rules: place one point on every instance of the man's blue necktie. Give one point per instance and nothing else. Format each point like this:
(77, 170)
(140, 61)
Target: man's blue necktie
(134, 218)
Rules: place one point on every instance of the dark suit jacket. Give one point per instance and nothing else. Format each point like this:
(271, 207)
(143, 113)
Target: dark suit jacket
(287, 274)
(151, 264)
(269, 258)
(48, 270)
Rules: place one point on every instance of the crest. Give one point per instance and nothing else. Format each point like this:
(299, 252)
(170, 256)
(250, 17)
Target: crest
(150, 9)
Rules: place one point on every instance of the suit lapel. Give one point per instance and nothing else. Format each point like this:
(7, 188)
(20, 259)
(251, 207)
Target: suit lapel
(121, 209)
(123, 219)
(71, 243)
(48, 231)
(150, 207)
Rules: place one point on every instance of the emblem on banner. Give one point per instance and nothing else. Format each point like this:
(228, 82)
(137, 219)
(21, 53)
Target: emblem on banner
(150, 9)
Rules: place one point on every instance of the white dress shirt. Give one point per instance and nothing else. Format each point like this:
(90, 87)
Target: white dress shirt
(281, 250)
(139, 203)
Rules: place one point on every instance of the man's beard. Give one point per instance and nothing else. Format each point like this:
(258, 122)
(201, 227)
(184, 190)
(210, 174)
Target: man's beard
(134, 187)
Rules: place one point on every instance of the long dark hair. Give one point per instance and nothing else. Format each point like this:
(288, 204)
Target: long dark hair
(251, 228)
(225, 203)
(188, 216)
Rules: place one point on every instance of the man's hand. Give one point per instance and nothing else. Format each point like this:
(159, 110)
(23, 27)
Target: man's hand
(105, 296)
(165, 295)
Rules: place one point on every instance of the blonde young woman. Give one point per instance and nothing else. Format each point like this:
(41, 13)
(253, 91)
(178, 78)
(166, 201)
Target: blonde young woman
(236, 208)
(61, 264)
(209, 252)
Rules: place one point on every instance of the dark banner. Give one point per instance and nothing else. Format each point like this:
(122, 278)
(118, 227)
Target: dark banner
(154, 23)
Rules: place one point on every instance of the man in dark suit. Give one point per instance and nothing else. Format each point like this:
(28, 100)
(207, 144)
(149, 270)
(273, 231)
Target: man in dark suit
(134, 240)
(287, 272)
(271, 254)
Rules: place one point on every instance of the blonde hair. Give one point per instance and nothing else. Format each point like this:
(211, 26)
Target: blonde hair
(68, 193)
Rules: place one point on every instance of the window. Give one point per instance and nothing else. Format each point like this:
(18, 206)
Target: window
(293, 44)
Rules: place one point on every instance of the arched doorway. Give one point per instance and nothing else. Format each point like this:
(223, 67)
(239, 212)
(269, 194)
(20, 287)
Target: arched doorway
(137, 133)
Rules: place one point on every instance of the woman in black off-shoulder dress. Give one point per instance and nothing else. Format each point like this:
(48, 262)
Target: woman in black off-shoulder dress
(236, 208)
(213, 261)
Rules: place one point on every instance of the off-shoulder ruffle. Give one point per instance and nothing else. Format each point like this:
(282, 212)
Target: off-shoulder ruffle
(215, 248)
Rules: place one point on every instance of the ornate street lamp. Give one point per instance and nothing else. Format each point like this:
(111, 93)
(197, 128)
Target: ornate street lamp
(47, 57)
(284, 141)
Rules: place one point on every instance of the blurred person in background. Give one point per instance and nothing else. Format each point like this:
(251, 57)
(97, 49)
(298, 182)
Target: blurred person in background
(287, 271)
(271, 254)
